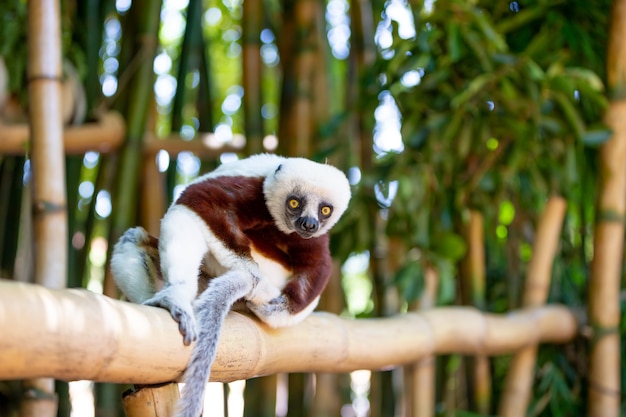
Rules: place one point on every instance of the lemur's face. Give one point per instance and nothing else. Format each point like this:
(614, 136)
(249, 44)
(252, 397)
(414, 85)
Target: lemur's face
(307, 214)
(306, 197)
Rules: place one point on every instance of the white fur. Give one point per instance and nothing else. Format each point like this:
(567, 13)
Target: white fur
(128, 269)
(319, 182)
(284, 318)
(186, 242)
(271, 271)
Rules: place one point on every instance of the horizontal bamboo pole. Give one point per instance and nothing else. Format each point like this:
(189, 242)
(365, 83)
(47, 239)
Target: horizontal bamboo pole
(204, 146)
(74, 334)
(105, 135)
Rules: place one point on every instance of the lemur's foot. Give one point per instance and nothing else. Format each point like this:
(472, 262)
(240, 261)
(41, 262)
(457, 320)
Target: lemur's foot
(269, 308)
(182, 313)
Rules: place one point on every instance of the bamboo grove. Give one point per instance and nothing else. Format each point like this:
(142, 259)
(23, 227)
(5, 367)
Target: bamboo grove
(485, 143)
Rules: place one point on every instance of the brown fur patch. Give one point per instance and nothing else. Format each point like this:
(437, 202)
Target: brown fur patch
(235, 211)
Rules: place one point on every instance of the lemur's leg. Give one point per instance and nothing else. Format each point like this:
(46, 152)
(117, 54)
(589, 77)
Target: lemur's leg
(211, 309)
(135, 265)
(182, 246)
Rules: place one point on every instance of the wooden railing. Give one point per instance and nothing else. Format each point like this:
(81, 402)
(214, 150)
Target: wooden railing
(73, 334)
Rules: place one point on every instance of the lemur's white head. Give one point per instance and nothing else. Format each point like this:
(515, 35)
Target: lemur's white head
(306, 197)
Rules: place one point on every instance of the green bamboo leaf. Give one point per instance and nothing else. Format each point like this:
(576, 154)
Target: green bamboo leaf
(453, 126)
(587, 76)
(519, 19)
(447, 284)
(454, 42)
(410, 280)
(449, 245)
(571, 114)
(489, 31)
(535, 71)
(474, 87)
(477, 47)
(509, 92)
(595, 138)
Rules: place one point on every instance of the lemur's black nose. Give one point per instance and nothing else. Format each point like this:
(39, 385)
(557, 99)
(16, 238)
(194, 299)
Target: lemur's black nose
(308, 224)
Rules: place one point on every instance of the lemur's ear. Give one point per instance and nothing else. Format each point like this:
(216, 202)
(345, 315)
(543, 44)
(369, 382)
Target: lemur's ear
(278, 169)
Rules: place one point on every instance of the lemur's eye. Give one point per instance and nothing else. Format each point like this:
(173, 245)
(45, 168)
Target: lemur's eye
(326, 210)
(293, 203)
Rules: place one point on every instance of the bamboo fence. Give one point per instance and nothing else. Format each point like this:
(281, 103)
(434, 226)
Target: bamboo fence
(116, 341)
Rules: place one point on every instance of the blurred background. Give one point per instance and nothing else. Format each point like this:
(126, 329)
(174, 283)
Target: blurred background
(455, 121)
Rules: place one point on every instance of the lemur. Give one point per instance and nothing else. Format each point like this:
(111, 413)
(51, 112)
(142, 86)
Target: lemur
(253, 230)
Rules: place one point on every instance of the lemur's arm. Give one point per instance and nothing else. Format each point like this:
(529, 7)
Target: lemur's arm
(311, 264)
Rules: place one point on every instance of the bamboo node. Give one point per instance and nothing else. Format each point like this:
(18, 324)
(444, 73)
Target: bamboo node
(38, 394)
(45, 77)
(598, 332)
(596, 386)
(609, 216)
(47, 207)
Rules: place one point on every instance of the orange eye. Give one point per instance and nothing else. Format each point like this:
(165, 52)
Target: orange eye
(326, 210)
(293, 203)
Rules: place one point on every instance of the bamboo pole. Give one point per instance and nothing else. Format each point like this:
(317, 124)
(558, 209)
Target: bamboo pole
(116, 341)
(519, 379)
(297, 122)
(606, 266)
(105, 135)
(252, 75)
(153, 401)
(473, 285)
(49, 198)
(420, 377)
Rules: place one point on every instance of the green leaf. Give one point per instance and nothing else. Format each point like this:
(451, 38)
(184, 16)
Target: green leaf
(447, 284)
(587, 76)
(570, 112)
(474, 87)
(489, 31)
(454, 42)
(410, 280)
(535, 71)
(449, 245)
(595, 138)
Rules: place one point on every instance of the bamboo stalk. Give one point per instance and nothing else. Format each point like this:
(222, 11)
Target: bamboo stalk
(153, 198)
(49, 197)
(153, 401)
(116, 341)
(298, 117)
(519, 379)
(252, 75)
(473, 285)
(606, 267)
(420, 377)
(105, 135)
(204, 147)
(48, 164)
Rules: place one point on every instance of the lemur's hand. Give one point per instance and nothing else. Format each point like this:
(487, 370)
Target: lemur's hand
(181, 311)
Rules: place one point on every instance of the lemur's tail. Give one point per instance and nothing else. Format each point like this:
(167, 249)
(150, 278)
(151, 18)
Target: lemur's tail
(211, 309)
(135, 265)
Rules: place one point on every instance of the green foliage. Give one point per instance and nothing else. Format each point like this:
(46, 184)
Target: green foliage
(14, 44)
(507, 110)
(499, 110)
